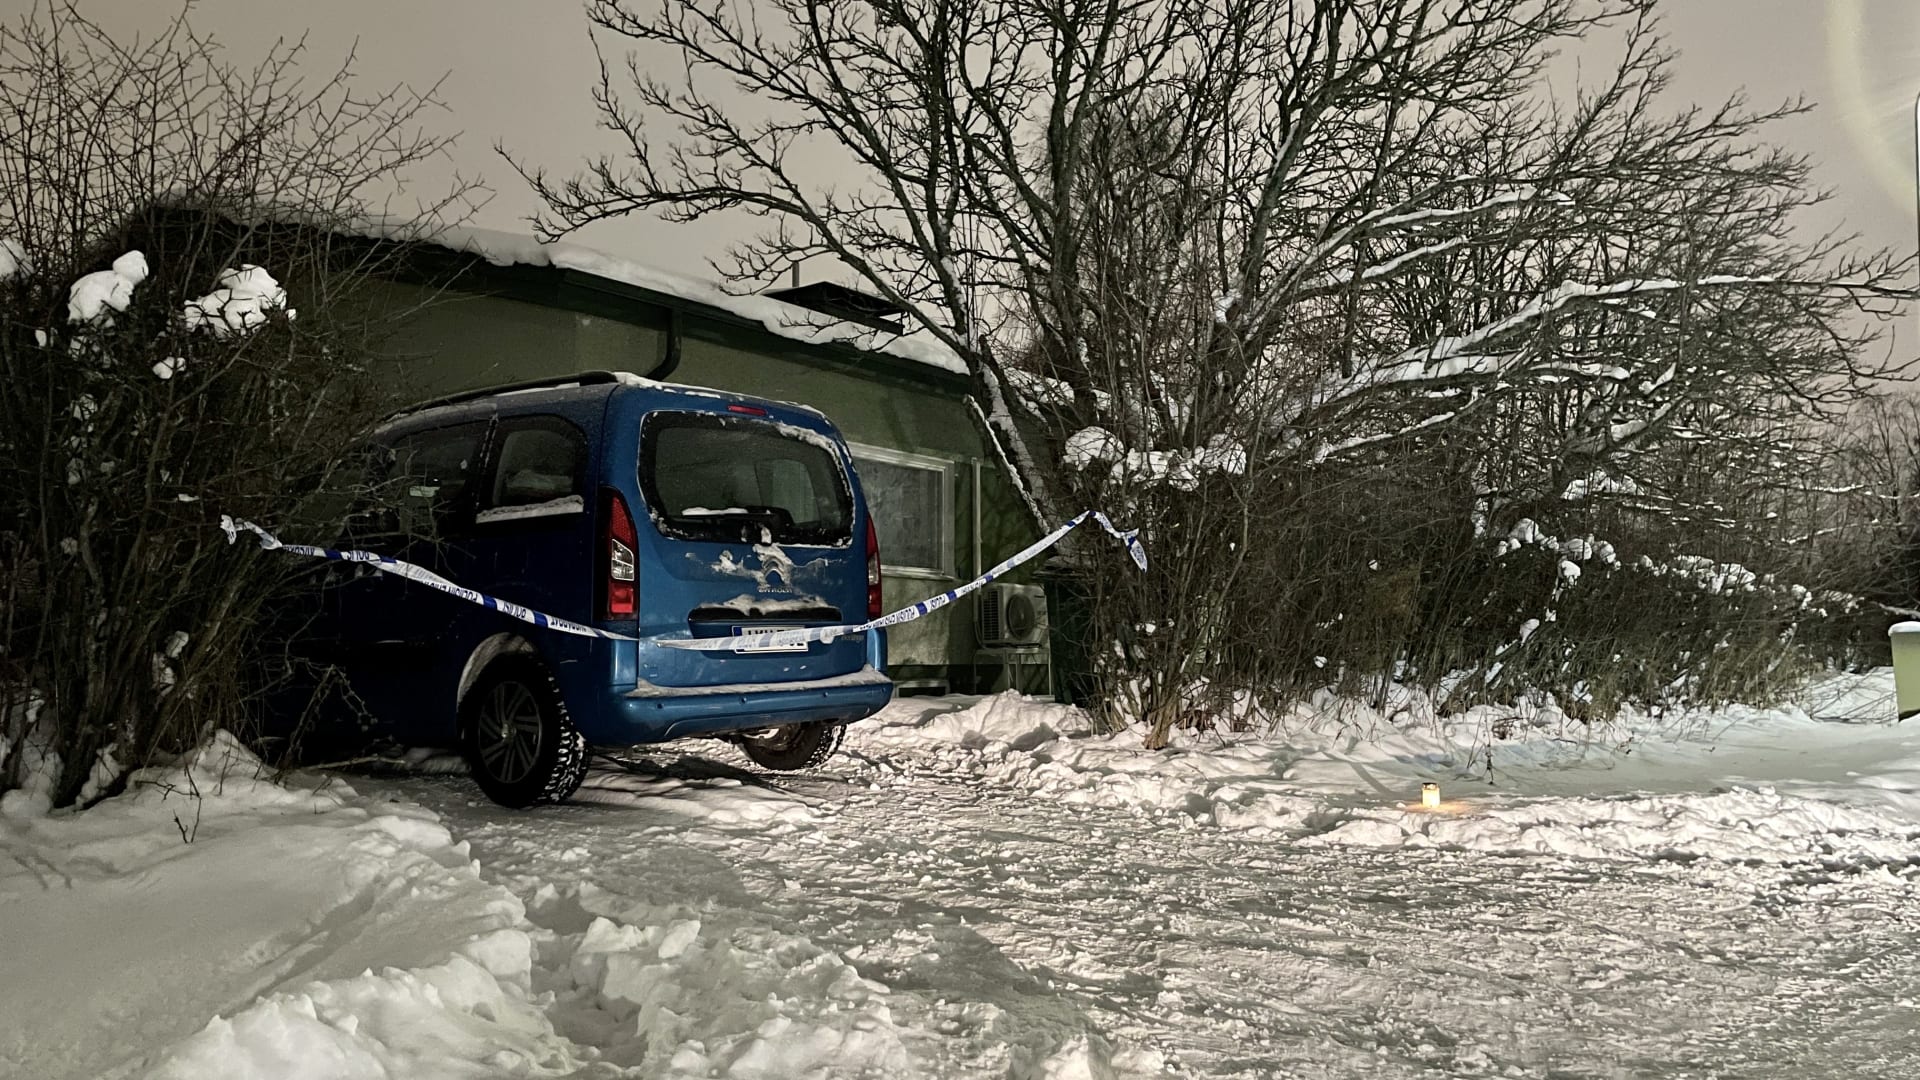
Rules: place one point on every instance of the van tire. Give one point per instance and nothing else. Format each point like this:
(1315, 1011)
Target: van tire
(543, 758)
(793, 747)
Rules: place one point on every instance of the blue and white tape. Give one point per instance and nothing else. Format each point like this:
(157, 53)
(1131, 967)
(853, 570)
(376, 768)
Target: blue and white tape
(233, 527)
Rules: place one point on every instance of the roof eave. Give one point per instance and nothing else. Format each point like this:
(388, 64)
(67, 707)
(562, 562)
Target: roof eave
(865, 361)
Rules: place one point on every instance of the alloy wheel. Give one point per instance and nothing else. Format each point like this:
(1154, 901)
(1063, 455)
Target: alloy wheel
(510, 732)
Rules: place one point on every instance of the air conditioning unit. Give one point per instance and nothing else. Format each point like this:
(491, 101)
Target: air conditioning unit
(1012, 616)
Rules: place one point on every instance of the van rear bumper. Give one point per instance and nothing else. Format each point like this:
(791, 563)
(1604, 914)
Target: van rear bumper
(651, 714)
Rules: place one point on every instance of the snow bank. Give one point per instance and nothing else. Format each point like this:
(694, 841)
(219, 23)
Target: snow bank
(1752, 825)
(327, 936)
(1044, 749)
(1737, 785)
(1009, 720)
(457, 1019)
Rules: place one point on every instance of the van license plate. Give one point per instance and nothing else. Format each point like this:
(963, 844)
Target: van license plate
(747, 644)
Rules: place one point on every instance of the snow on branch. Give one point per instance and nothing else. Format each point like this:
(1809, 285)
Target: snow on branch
(1622, 433)
(1399, 218)
(1520, 196)
(1412, 364)
(1392, 266)
(1334, 449)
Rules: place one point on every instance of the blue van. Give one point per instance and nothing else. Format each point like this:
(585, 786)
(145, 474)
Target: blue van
(652, 511)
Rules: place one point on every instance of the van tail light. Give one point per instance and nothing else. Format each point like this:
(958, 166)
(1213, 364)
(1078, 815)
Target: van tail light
(873, 571)
(617, 545)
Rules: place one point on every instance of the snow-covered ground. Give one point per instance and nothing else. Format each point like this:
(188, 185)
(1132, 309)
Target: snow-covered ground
(978, 888)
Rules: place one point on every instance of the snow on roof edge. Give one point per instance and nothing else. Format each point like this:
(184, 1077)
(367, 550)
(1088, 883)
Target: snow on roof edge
(787, 320)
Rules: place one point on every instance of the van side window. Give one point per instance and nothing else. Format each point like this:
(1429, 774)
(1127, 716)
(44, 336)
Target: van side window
(431, 474)
(540, 470)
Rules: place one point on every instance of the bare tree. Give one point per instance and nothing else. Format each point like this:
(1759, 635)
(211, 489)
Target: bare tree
(1248, 254)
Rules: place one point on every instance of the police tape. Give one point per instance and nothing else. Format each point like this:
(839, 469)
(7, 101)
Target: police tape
(776, 639)
(233, 527)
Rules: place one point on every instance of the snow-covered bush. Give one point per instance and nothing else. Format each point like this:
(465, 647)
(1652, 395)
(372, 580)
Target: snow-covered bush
(1358, 578)
(163, 218)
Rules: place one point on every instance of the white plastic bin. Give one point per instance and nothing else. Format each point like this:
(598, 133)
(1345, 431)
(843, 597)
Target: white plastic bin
(1906, 667)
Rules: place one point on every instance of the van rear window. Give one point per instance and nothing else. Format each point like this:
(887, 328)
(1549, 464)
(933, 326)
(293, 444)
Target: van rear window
(727, 478)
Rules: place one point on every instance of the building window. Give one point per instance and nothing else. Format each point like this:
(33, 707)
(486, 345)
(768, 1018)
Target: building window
(911, 499)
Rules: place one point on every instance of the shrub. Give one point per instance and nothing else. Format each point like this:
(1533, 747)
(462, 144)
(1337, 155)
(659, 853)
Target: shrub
(181, 337)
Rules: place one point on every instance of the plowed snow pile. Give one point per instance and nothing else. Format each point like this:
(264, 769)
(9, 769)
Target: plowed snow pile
(1826, 779)
(340, 937)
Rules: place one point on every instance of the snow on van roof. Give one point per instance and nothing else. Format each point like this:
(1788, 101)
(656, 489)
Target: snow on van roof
(787, 320)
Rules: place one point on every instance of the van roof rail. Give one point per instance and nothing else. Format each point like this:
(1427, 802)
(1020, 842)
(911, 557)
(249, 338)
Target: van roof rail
(578, 378)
